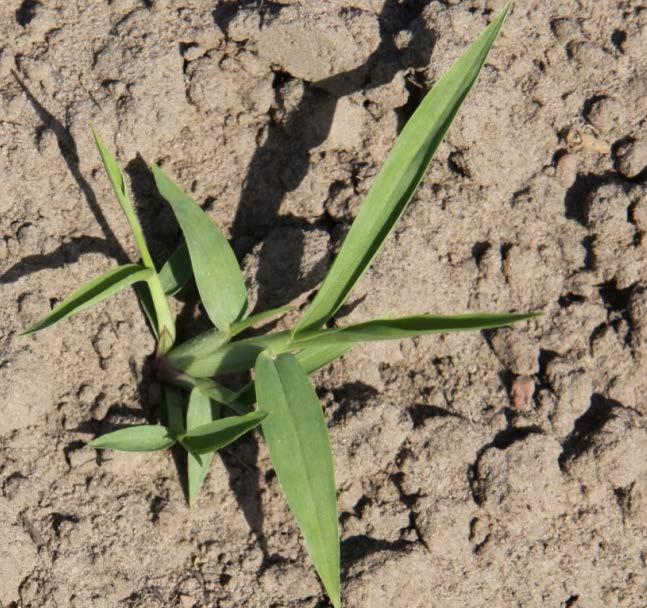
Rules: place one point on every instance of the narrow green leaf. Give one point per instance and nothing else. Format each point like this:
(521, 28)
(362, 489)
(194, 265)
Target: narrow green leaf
(116, 178)
(228, 358)
(175, 403)
(97, 290)
(297, 438)
(400, 176)
(176, 271)
(198, 414)
(142, 438)
(406, 327)
(218, 278)
(219, 433)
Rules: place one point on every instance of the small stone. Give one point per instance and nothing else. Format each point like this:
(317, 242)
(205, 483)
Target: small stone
(631, 157)
(521, 393)
(566, 171)
(186, 601)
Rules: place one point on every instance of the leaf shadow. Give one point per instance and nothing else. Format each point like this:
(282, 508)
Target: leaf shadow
(73, 249)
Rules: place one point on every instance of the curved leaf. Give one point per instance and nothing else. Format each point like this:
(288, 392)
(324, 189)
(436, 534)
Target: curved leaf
(217, 275)
(297, 437)
(142, 438)
(97, 290)
(400, 176)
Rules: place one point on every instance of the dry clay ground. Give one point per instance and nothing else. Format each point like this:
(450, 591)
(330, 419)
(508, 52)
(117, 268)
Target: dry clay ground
(458, 487)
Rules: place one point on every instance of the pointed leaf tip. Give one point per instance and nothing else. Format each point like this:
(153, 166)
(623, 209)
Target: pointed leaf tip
(396, 183)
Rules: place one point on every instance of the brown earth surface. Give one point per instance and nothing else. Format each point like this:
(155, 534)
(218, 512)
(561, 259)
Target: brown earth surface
(499, 469)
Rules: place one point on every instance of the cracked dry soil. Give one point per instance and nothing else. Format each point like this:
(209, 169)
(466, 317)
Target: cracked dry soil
(503, 469)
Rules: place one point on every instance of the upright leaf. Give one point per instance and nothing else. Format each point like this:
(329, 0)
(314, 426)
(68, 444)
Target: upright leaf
(297, 437)
(217, 275)
(406, 327)
(198, 413)
(141, 438)
(116, 178)
(396, 183)
(97, 290)
(163, 315)
(215, 435)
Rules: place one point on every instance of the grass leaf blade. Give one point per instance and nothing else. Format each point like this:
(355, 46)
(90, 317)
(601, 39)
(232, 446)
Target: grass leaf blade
(398, 179)
(141, 438)
(97, 290)
(407, 327)
(297, 437)
(218, 278)
(219, 433)
(164, 317)
(116, 178)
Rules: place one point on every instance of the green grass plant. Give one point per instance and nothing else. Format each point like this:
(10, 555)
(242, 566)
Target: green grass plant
(202, 415)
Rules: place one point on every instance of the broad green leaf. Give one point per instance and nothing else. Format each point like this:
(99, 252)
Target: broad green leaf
(142, 438)
(406, 327)
(175, 403)
(97, 290)
(229, 358)
(400, 176)
(198, 413)
(163, 314)
(217, 275)
(176, 271)
(297, 438)
(219, 433)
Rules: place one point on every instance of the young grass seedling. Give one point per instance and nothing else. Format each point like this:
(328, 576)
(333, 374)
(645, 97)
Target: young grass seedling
(288, 409)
